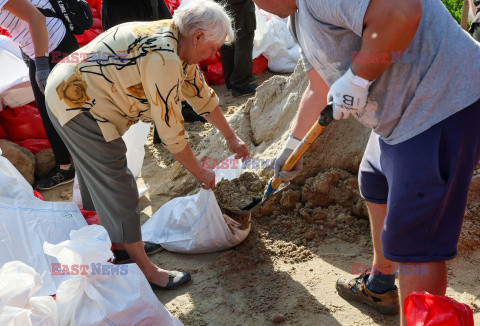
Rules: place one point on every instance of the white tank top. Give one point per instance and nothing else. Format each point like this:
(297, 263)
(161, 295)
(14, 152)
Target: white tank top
(21, 33)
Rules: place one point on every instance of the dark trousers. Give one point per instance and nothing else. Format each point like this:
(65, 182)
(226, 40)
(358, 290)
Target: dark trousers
(237, 57)
(68, 45)
(122, 11)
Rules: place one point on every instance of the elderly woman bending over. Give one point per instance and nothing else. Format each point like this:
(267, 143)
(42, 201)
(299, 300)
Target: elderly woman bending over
(138, 71)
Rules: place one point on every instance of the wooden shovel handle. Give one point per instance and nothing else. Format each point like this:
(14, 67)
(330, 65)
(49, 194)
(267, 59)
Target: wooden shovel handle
(323, 121)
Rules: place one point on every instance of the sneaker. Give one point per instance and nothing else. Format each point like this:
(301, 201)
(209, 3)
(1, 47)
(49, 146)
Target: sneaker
(56, 178)
(250, 90)
(356, 290)
(122, 257)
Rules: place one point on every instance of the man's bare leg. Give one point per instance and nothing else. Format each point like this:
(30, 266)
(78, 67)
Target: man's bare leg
(377, 214)
(430, 277)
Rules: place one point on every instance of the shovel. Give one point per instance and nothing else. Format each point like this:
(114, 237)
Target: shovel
(326, 117)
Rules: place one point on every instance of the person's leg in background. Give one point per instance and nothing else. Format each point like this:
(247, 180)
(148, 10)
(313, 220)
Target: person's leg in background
(63, 172)
(237, 57)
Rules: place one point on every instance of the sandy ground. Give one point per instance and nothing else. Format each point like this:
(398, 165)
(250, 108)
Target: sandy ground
(298, 247)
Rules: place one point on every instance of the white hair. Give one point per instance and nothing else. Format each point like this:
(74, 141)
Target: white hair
(205, 15)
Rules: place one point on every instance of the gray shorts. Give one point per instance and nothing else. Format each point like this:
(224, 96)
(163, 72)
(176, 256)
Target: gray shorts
(106, 184)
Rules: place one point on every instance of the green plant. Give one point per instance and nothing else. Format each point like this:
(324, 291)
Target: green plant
(455, 8)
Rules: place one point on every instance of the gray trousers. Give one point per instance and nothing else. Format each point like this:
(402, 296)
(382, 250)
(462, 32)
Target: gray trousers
(106, 184)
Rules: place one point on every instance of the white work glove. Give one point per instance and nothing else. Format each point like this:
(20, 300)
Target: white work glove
(349, 95)
(287, 150)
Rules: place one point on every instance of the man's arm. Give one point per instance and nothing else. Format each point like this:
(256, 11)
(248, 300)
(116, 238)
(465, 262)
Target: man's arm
(312, 103)
(25, 11)
(389, 26)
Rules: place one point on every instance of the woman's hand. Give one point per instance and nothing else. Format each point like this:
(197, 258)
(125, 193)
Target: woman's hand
(237, 146)
(207, 178)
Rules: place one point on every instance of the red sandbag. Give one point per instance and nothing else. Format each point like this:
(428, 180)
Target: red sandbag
(96, 13)
(91, 217)
(37, 194)
(22, 123)
(172, 5)
(34, 145)
(97, 23)
(215, 74)
(85, 38)
(4, 32)
(95, 4)
(260, 64)
(208, 62)
(425, 309)
(3, 134)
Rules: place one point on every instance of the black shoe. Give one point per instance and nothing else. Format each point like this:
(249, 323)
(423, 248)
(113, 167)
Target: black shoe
(189, 115)
(56, 178)
(250, 90)
(122, 257)
(175, 280)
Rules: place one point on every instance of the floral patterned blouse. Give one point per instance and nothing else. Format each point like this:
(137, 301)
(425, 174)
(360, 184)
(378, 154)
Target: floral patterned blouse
(130, 72)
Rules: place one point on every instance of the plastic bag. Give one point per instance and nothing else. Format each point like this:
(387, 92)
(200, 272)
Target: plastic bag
(172, 5)
(274, 41)
(215, 74)
(22, 123)
(18, 283)
(26, 222)
(100, 293)
(259, 65)
(15, 87)
(34, 145)
(3, 134)
(425, 309)
(135, 139)
(195, 224)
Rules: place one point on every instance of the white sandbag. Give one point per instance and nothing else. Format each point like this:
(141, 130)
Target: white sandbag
(12, 183)
(77, 196)
(195, 224)
(273, 40)
(135, 139)
(26, 223)
(15, 87)
(102, 293)
(18, 283)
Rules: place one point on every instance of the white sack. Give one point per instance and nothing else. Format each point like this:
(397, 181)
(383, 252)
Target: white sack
(195, 224)
(18, 283)
(106, 294)
(15, 87)
(135, 139)
(273, 40)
